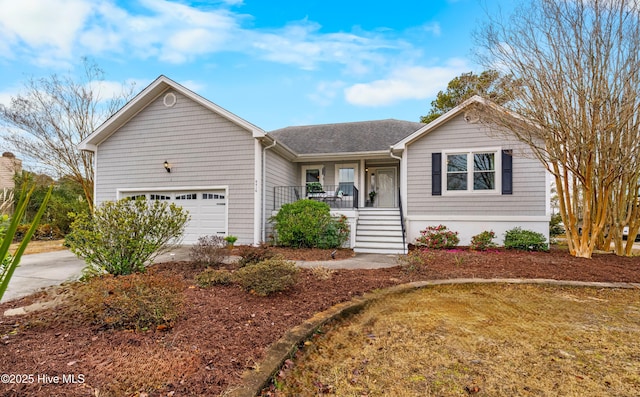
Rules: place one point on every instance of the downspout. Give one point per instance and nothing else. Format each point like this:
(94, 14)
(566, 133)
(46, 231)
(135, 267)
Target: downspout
(393, 155)
(404, 230)
(400, 160)
(264, 189)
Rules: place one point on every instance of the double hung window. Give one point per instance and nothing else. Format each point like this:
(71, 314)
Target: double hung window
(472, 171)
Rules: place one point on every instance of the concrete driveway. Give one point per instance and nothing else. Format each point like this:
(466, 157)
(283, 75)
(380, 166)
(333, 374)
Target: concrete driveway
(39, 271)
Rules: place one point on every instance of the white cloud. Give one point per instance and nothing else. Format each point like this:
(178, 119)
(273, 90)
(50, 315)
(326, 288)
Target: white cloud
(43, 23)
(326, 92)
(106, 90)
(412, 82)
(54, 32)
(434, 28)
(5, 97)
(172, 31)
(176, 33)
(301, 43)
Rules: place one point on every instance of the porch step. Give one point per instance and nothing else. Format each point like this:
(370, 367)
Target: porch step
(379, 231)
(379, 250)
(379, 222)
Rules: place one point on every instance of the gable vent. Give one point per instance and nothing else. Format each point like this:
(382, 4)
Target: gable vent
(169, 99)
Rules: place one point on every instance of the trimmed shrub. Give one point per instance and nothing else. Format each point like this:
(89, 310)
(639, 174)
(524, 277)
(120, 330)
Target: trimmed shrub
(209, 250)
(212, 277)
(483, 241)
(528, 240)
(437, 237)
(267, 277)
(135, 301)
(124, 236)
(251, 255)
(308, 224)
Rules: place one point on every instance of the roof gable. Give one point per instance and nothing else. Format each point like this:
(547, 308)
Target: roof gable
(147, 96)
(450, 115)
(355, 137)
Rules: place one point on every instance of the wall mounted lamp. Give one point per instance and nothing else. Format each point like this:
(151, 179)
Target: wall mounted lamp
(167, 166)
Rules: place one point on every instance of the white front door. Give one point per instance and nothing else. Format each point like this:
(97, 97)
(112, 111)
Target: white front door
(386, 188)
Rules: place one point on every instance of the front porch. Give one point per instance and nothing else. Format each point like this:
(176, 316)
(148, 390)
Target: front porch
(341, 196)
(347, 184)
(374, 229)
(366, 191)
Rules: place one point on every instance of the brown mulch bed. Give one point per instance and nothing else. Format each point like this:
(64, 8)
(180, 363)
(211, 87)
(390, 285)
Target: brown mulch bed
(225, 330)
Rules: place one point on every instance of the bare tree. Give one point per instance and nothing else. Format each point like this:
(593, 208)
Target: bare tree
(578, 63)
(47, 121)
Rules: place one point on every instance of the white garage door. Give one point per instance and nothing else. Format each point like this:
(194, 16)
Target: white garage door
(207, 208)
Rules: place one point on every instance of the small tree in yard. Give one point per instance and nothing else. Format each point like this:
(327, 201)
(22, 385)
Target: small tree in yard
(123, 237)
(47, 120)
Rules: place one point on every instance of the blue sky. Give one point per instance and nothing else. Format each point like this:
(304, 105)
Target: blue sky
(275, 63)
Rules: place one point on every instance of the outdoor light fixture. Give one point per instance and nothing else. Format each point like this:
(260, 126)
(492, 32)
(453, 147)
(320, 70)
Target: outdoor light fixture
(167, 166)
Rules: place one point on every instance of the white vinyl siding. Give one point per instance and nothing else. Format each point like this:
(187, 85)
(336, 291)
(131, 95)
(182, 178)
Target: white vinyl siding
(203, 148)
(529, 184)
(279, 172)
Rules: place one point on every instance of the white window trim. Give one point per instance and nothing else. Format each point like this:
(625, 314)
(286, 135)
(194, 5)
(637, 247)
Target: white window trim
(312, 167)
(356, 175)
(470, 171)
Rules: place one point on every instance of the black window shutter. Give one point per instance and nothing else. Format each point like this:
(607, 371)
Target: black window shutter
(436, 174)
(507, 172)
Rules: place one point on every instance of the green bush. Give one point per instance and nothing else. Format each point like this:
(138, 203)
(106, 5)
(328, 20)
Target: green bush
(251, 255)
(308, 224)
(209, 250)
(67, 198)
(135, 301)
(528, 240)
(211, 277)
(267, 277)
(483, 241)
(555, 226)
(335, 234)
(437, 237)
(123, 237)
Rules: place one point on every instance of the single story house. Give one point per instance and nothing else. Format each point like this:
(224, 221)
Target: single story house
(391, 178)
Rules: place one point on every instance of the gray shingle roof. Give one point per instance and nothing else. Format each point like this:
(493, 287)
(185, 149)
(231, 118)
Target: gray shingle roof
(363, 136)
